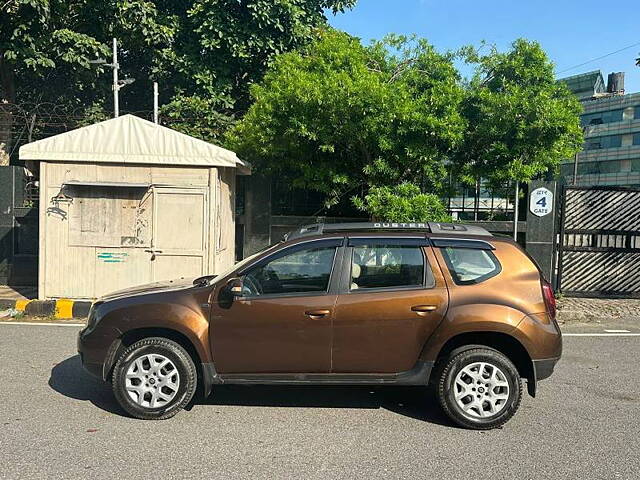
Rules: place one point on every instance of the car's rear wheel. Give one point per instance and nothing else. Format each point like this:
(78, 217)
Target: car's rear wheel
(154, 379)
(479, 388)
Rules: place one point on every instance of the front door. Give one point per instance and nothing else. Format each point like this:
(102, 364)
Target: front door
(282, 321)
(179, 242)
(390, 302)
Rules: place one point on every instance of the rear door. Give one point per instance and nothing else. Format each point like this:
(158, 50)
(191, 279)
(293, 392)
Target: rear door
(392, 298)
(179, 242)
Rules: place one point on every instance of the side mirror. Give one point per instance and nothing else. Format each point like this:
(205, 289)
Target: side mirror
(234, 285)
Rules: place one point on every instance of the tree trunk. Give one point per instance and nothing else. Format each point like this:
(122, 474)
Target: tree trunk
(7, 102)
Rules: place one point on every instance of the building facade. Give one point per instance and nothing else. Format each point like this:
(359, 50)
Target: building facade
(611, 124)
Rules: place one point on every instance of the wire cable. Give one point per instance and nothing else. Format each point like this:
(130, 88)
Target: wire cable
(598, 58)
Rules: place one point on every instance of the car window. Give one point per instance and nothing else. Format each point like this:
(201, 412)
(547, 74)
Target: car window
(386, 265)
(469, 265)
(306, 270)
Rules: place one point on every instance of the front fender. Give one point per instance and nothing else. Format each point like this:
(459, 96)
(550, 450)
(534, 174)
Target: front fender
(182, 314)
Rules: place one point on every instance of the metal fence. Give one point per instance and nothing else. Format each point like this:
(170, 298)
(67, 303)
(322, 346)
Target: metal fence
(599, 247)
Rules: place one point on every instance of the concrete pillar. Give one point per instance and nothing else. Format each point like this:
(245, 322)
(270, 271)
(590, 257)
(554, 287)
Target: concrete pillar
(257, 214)
(541, 230)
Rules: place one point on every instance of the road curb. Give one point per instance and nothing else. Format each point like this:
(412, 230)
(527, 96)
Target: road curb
(62, 308)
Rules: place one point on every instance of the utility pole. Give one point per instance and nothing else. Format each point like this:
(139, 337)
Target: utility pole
(155, 102)
(116, 87)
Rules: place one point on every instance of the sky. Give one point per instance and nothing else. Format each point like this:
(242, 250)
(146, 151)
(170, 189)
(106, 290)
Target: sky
(571, 32)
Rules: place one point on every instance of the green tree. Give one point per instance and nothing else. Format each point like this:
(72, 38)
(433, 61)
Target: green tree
(204, 53)
(520, 121)
(402, 203)
(46, 47)
(337, 116)
(223, 46)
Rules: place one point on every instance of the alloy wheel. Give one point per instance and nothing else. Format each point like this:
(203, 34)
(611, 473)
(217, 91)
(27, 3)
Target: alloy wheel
(152, 380)
(481, 390)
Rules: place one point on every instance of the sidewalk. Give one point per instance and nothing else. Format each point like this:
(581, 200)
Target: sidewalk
(588, 310)
(17, 302)
(17, 293)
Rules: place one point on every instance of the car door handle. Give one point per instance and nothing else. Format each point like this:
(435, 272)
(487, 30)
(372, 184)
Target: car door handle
(423, 309)
(316, 314)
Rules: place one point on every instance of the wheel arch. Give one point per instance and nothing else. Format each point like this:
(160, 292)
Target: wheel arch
(502, 342)
(132, 336)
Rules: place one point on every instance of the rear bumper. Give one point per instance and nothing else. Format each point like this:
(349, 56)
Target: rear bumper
(544, 368)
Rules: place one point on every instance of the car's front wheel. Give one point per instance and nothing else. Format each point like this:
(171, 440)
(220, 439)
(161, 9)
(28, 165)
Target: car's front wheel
(479, 388)
(154, 379)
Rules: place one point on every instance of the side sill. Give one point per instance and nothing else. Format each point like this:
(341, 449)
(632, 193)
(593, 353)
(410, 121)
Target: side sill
(418, 375)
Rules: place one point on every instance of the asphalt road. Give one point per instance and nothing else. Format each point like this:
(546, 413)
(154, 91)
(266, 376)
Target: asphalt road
(58, 422)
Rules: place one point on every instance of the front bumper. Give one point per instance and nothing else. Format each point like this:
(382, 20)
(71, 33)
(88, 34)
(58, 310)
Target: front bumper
(89, 364)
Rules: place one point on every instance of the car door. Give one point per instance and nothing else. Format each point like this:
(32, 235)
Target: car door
(392, 298)
(281, 323)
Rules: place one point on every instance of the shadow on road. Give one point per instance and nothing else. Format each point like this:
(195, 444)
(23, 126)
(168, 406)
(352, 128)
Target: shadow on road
(414, 402)
(69, 378)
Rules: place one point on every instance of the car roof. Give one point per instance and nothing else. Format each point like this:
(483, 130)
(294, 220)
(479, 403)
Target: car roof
(384, 228)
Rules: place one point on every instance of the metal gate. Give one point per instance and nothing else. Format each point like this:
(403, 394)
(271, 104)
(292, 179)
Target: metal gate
(599, 244)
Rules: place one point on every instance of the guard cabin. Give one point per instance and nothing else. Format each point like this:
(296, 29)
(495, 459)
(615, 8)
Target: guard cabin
(126, 202)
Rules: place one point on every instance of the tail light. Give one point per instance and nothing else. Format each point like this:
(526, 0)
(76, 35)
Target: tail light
(549, 298)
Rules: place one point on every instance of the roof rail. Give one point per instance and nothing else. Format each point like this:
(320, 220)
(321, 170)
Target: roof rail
(427, 227)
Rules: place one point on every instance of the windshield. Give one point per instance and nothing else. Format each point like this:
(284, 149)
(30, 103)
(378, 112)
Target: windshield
(245, 261)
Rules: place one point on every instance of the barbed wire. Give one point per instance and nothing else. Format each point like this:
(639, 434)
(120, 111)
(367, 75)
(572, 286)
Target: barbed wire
(26, 122)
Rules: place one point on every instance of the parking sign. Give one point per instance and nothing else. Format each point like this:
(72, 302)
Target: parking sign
(541, 202)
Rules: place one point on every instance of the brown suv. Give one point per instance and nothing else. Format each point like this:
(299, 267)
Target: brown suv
(363, 304)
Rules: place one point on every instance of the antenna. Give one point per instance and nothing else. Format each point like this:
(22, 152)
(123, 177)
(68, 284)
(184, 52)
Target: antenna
(117, 84)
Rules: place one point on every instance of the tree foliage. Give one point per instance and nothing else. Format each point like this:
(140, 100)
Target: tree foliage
(204, 53)
(520, 121)
(402, 203)
(223, 46)
(46, 46)
(336, 115)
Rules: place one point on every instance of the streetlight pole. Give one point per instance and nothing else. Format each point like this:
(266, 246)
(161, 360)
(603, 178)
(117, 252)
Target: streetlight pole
(155, 102)
(116, 87)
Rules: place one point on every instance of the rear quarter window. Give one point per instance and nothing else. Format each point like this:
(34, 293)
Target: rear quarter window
(469, 266)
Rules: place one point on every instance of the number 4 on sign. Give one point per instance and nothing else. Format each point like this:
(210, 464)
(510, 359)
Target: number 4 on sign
(541, 202)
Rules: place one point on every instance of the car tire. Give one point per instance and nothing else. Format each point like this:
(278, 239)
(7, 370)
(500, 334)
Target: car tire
(154, 379)
(479, 388)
